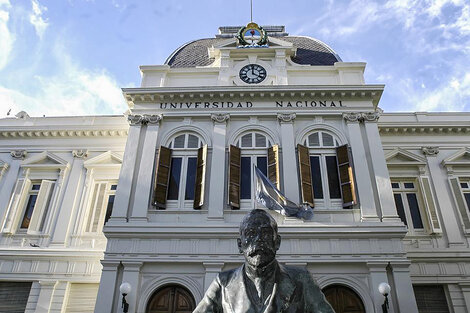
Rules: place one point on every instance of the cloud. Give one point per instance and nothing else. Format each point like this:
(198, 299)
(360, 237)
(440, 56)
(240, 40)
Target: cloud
(71, 91)
(454, 95)
(6, 37)
(35, 18)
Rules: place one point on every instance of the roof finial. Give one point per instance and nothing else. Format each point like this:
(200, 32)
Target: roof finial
(251, 6)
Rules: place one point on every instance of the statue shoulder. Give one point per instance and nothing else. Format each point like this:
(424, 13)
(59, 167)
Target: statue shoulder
(226, 276)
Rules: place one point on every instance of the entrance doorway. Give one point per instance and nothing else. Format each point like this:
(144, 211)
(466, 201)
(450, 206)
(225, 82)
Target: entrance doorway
(171, 299)
(343, 299)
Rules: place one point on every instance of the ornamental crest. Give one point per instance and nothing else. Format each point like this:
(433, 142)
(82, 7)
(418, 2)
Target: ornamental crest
(251, 36)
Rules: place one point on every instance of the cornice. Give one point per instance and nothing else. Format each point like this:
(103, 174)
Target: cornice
(42, 133)
(154, 94)
(390, 129)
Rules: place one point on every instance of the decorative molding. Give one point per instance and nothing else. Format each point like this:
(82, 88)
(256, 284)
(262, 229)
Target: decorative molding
(18, 154)
(153, 118)
(430, 151)
(3, 168)
(81, 154)
(137, 119)
(389, 129)
(286, 117)
(220, 118)
(64, 133)
(353, 117)
(371, 116)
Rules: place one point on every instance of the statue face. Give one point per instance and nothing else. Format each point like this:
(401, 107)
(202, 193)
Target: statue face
(258, 241)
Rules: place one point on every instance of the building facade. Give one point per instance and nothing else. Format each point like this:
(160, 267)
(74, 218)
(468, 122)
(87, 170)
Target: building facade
(390, 191)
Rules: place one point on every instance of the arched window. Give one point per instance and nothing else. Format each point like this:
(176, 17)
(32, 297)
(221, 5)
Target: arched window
(343, 299)
(179, 183)
(252, 148)
(321, 160)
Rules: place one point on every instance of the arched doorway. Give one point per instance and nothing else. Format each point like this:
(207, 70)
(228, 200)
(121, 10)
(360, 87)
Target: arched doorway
(343, 299)
(171, 299)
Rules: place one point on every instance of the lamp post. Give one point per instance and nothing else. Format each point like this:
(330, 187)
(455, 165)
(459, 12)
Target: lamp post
(125, 289)
(384, 289)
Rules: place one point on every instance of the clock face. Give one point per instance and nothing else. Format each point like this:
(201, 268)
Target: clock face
(252, 74)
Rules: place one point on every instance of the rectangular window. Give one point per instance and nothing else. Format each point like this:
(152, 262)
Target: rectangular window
(32, 197)
(190, 178)
(316, 177)
(431, 298)
(465, 186)
(333, 179)
(175, 175)
(101, 205)
(245, 179)
(37, 205)
(407, 203)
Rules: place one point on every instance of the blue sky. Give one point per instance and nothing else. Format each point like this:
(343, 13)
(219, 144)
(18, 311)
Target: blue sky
(71, 57)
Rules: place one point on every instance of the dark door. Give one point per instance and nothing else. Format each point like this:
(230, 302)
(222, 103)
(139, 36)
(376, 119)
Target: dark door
(343, 299)
(171, 299)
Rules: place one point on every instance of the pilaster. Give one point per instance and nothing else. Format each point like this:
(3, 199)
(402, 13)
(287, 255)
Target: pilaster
(466, 295)
(379, 167)
(131, 274)
(126, 176)
(443, 196)
(143, 189)
(105, 298)
(403, 288)
(361, 169)
(217, 177)
(70, 199)
(378, 274)
(45, 296)
(289, 163)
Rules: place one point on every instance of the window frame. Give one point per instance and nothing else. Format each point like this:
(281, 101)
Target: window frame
(185, 154)
(412, 231)
(253, 152)
(91, 207)
(321, 151)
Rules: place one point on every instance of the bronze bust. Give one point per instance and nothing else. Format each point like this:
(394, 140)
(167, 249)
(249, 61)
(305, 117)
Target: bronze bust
(262, 284)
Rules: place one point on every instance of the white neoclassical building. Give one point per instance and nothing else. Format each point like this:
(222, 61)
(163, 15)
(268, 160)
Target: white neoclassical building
(390, 191)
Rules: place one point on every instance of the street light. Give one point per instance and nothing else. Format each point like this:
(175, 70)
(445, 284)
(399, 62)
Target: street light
(125, 289)
(384, 289)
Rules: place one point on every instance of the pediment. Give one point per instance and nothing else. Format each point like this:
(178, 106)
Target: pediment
(104, 160)
(462, 158)
(45, 160)
(403, 157)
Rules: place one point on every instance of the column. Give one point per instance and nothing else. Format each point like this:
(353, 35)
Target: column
(379, 166)
(377, 275)
(131, 275)
(105, 298)
(10, 181)
(143, 190)
(405, 295)
(218, 170)
(123, 192)
(212, 269)
(69, 201)
(443, 196)
(289, 163)
(361, 170)
(45, 296)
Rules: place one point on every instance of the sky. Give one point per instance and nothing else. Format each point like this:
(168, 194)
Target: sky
(72, 57)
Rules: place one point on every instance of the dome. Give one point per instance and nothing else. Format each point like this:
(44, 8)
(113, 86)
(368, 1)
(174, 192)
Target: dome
(310, 51)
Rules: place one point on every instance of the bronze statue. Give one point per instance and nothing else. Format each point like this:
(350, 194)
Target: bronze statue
(262, 284)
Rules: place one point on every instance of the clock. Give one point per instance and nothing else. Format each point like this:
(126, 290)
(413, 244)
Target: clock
(252, 74)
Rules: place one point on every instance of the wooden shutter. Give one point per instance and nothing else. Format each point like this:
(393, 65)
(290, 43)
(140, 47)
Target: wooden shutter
(459, 199)
(346, 177)
(16, 204)
(273, 165)
(305, 173)
(40, 208)
(162, 175)
(234, 177)
(82, 298)
(200, 177)
(430, 206)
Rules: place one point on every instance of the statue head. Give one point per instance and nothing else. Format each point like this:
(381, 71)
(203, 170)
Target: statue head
(259, 240)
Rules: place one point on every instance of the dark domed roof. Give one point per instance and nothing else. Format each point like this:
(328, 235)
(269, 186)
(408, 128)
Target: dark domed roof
(310, 51)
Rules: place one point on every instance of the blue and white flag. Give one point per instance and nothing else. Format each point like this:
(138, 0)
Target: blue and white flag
(269, 196)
